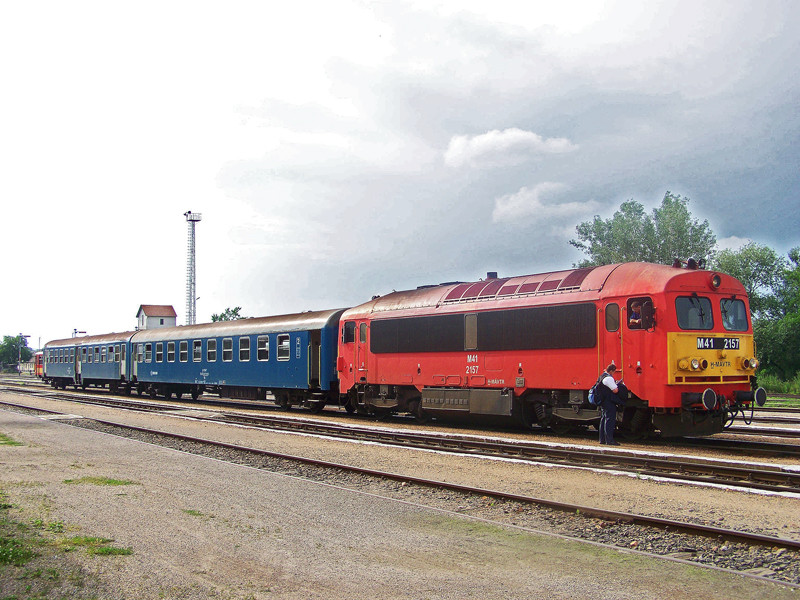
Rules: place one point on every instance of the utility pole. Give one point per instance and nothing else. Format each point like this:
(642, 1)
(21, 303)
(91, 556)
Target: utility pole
(22, 337)
(191, 275)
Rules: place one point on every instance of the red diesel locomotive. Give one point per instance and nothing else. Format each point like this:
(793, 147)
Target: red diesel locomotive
(529, 348)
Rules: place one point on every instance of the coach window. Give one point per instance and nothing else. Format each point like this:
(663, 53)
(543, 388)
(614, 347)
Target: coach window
(612, 317)
(97, 354)
(103, 354)
(160, 352)
(89, 355)
(349, 332)
(227, 349)
(262, 350)
(244, 349)
(694, 312)
(148, 352)
(72, 355)
(183, 349)
(211, 351)
(285, 347)
(734, 314)
(197, 350)
(111, 354)
(470, 332)
(139, 353)
(170, 351)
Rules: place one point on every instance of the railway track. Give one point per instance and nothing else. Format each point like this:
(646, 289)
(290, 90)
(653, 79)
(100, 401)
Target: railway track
(772, 546)
(668, 467)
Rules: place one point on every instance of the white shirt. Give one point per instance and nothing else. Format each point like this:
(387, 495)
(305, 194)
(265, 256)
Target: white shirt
(610, 383)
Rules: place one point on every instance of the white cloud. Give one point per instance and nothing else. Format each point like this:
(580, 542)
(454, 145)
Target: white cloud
(733, 243)
(539, 202)
(496, 148)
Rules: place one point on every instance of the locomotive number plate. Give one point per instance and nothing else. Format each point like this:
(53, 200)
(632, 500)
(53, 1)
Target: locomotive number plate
(714, 343)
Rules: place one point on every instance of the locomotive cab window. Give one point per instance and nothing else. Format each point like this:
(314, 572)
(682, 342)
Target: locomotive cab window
(694, 312)
(637, 309)
(362, 333)
(734, 314)
(349, 332)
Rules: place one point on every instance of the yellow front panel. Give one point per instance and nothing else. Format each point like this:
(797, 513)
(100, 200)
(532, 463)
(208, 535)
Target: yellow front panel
(722, 355)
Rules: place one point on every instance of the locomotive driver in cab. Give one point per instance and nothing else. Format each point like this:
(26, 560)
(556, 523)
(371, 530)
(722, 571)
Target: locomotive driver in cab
(612, 395)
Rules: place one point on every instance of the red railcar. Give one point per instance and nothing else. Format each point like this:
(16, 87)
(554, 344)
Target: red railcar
(38, 365)
(530, 347)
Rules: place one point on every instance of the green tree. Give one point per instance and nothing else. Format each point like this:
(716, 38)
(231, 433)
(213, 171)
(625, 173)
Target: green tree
(10, 349)
(762, 272)
(229, 314)
(668, 233)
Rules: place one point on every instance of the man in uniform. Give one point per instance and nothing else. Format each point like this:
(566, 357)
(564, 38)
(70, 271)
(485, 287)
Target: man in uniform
(609, 401)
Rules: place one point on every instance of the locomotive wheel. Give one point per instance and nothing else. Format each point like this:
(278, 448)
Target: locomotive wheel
(638, 426)
(348, 406)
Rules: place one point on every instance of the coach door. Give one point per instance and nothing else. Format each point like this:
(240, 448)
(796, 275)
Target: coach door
(362, 351)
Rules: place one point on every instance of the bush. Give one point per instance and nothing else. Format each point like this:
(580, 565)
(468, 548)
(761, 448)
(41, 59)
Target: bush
(774, 385)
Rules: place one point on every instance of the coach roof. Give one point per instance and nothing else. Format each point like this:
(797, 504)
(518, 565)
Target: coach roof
(259, 325)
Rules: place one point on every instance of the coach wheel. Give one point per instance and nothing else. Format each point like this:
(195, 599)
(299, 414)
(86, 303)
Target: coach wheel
(282, 400)
(84, 385)
(153, 392)
(316, 407)
(195, 394)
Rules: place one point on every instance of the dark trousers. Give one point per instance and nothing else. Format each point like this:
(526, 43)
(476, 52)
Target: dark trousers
(608, 421)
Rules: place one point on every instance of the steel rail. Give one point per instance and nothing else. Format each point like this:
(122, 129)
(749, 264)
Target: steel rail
(774, 479)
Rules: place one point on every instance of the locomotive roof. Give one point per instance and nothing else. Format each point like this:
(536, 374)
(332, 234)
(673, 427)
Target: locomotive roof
(575, 285)
(104, 338)
(277, 324)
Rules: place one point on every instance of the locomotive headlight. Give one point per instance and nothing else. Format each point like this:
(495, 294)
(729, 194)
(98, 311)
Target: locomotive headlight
(695, 364)
(683, 364)
(716, 281)
(749, 363)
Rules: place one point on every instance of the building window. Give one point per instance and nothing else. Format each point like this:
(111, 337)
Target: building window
(160, 352)
(284, 347)
(170, 351)
(162, 321)
(197, 350)
(263, 347)
(227, 349)
(211, 351)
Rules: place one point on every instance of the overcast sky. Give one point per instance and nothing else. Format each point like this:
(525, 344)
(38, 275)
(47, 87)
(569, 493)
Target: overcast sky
(338, 150)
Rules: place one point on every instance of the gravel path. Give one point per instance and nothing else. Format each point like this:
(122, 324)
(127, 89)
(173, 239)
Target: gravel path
(266, 535)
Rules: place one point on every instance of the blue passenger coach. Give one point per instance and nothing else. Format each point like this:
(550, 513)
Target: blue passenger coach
(292, 357)
(94, 360)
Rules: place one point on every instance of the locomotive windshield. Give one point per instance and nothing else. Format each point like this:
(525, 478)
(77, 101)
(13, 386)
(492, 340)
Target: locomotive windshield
(734, 314)
(694, 312)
